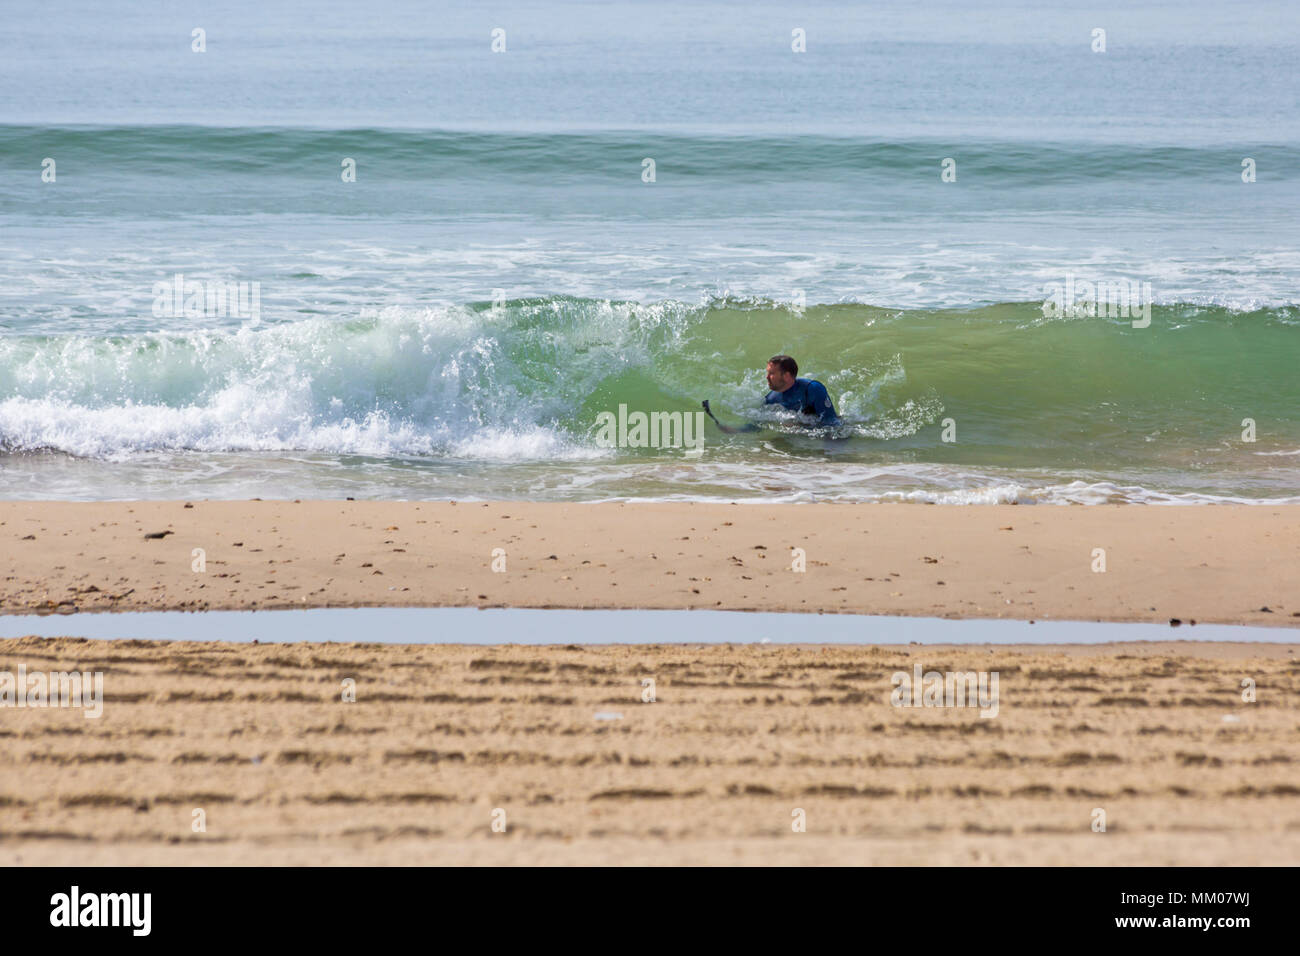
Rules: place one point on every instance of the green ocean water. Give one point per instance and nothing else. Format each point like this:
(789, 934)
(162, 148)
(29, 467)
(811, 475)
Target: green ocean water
(992, 403)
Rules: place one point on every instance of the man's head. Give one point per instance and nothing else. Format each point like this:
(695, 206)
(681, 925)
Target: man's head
(781, 372)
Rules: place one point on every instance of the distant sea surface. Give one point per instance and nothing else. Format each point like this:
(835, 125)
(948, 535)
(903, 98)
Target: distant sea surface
(454, 322)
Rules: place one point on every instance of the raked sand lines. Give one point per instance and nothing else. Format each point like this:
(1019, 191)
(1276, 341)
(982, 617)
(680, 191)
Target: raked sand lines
(738, 740)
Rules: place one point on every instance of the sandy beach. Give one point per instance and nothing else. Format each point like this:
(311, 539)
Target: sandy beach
(1209, 564)
(558, 745)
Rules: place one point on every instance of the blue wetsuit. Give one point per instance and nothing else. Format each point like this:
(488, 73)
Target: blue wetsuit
(808, 396)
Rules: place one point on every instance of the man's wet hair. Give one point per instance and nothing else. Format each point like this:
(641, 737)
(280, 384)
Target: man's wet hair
(784, 363)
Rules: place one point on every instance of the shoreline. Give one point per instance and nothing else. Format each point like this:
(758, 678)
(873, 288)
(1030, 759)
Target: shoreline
(1222, 565)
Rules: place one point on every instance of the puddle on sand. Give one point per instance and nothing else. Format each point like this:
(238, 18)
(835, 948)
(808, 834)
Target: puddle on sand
(468, 625)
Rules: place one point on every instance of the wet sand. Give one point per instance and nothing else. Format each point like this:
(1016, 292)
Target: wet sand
(714, 771)
(1210, 564)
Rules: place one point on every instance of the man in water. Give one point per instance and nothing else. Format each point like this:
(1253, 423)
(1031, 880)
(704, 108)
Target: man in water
(804, 395)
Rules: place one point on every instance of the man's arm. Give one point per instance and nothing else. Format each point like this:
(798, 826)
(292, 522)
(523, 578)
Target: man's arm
(820, 401)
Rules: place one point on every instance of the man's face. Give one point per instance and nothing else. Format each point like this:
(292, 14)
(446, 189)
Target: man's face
(778, 380)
